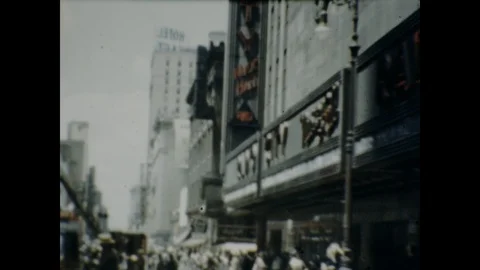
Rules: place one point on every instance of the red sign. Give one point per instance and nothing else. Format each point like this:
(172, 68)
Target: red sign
(244, 116)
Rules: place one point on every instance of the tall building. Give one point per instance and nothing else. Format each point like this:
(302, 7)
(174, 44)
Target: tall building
(173, 71)
(73, 153)
(134, 222)
(138, 202)
(78, 131)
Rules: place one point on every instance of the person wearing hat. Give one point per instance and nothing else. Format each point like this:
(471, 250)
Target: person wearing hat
(92, 257)
(172, 263)
(152, 260)
(123, 261)
(278, 261)
(160, 262)
(295, 263)
(133, 262)
(333, 253)
(260, 262)
(141, 258)
(234, 261)
(109, 259)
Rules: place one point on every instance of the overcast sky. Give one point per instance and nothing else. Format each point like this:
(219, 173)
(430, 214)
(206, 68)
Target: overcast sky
(105, 52)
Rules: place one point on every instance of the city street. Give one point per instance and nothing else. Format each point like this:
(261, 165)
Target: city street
(250, 134)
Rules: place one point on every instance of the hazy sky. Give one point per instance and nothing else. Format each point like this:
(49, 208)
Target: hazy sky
(105, 52)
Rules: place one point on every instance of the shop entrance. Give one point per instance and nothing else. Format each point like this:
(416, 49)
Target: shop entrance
(276, 241)
(389, 241)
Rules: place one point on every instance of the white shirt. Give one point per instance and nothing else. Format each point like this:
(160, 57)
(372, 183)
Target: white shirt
(296, 264)
(259, 264)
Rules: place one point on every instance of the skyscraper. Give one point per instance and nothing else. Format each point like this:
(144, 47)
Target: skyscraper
(173, 71)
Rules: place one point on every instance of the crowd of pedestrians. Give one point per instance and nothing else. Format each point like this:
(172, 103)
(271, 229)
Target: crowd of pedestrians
(101, 254)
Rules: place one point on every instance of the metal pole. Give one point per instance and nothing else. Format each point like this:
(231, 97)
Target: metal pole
(216, 138)
(350, 140)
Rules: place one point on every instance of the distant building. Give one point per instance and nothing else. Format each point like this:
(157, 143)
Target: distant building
(73, 153)
(64, 199)
(78, 131)
(135, 216)
(173, 71)
(172, 74)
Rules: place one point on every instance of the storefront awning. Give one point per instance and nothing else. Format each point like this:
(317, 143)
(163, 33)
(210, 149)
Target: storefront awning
(194, 242)
(238, 247)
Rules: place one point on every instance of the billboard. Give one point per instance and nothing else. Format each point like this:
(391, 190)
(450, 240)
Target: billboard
(243, 91)
(181, 129)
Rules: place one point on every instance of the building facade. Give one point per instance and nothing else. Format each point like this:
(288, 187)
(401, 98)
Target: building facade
(173, 70)
(73, 153)
(64, 200)
(134, 222)
(290, 171)
(78, 131)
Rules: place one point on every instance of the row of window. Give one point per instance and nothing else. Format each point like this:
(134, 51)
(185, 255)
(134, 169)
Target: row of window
(179, 73)
(276, 73)
(177, 109)
(167, 63)
(178, 91)
(178, 81)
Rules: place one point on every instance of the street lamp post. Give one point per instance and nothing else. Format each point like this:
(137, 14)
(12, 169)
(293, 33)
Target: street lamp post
(348, 119)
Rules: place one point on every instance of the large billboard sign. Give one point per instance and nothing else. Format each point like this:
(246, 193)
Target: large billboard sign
(245, 73)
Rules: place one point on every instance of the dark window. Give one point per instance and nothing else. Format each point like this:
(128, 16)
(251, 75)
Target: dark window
(152, 143)
(167, 63)
(398, 72)
(177, 110)
(179, 63)
(191, 64)
(70, 246)
(285, 52)
(166, 72)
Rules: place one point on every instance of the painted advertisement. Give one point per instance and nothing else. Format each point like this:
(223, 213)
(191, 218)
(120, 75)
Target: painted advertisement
(246, 66)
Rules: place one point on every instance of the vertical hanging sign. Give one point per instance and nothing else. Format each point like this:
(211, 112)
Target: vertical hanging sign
(245, 73)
